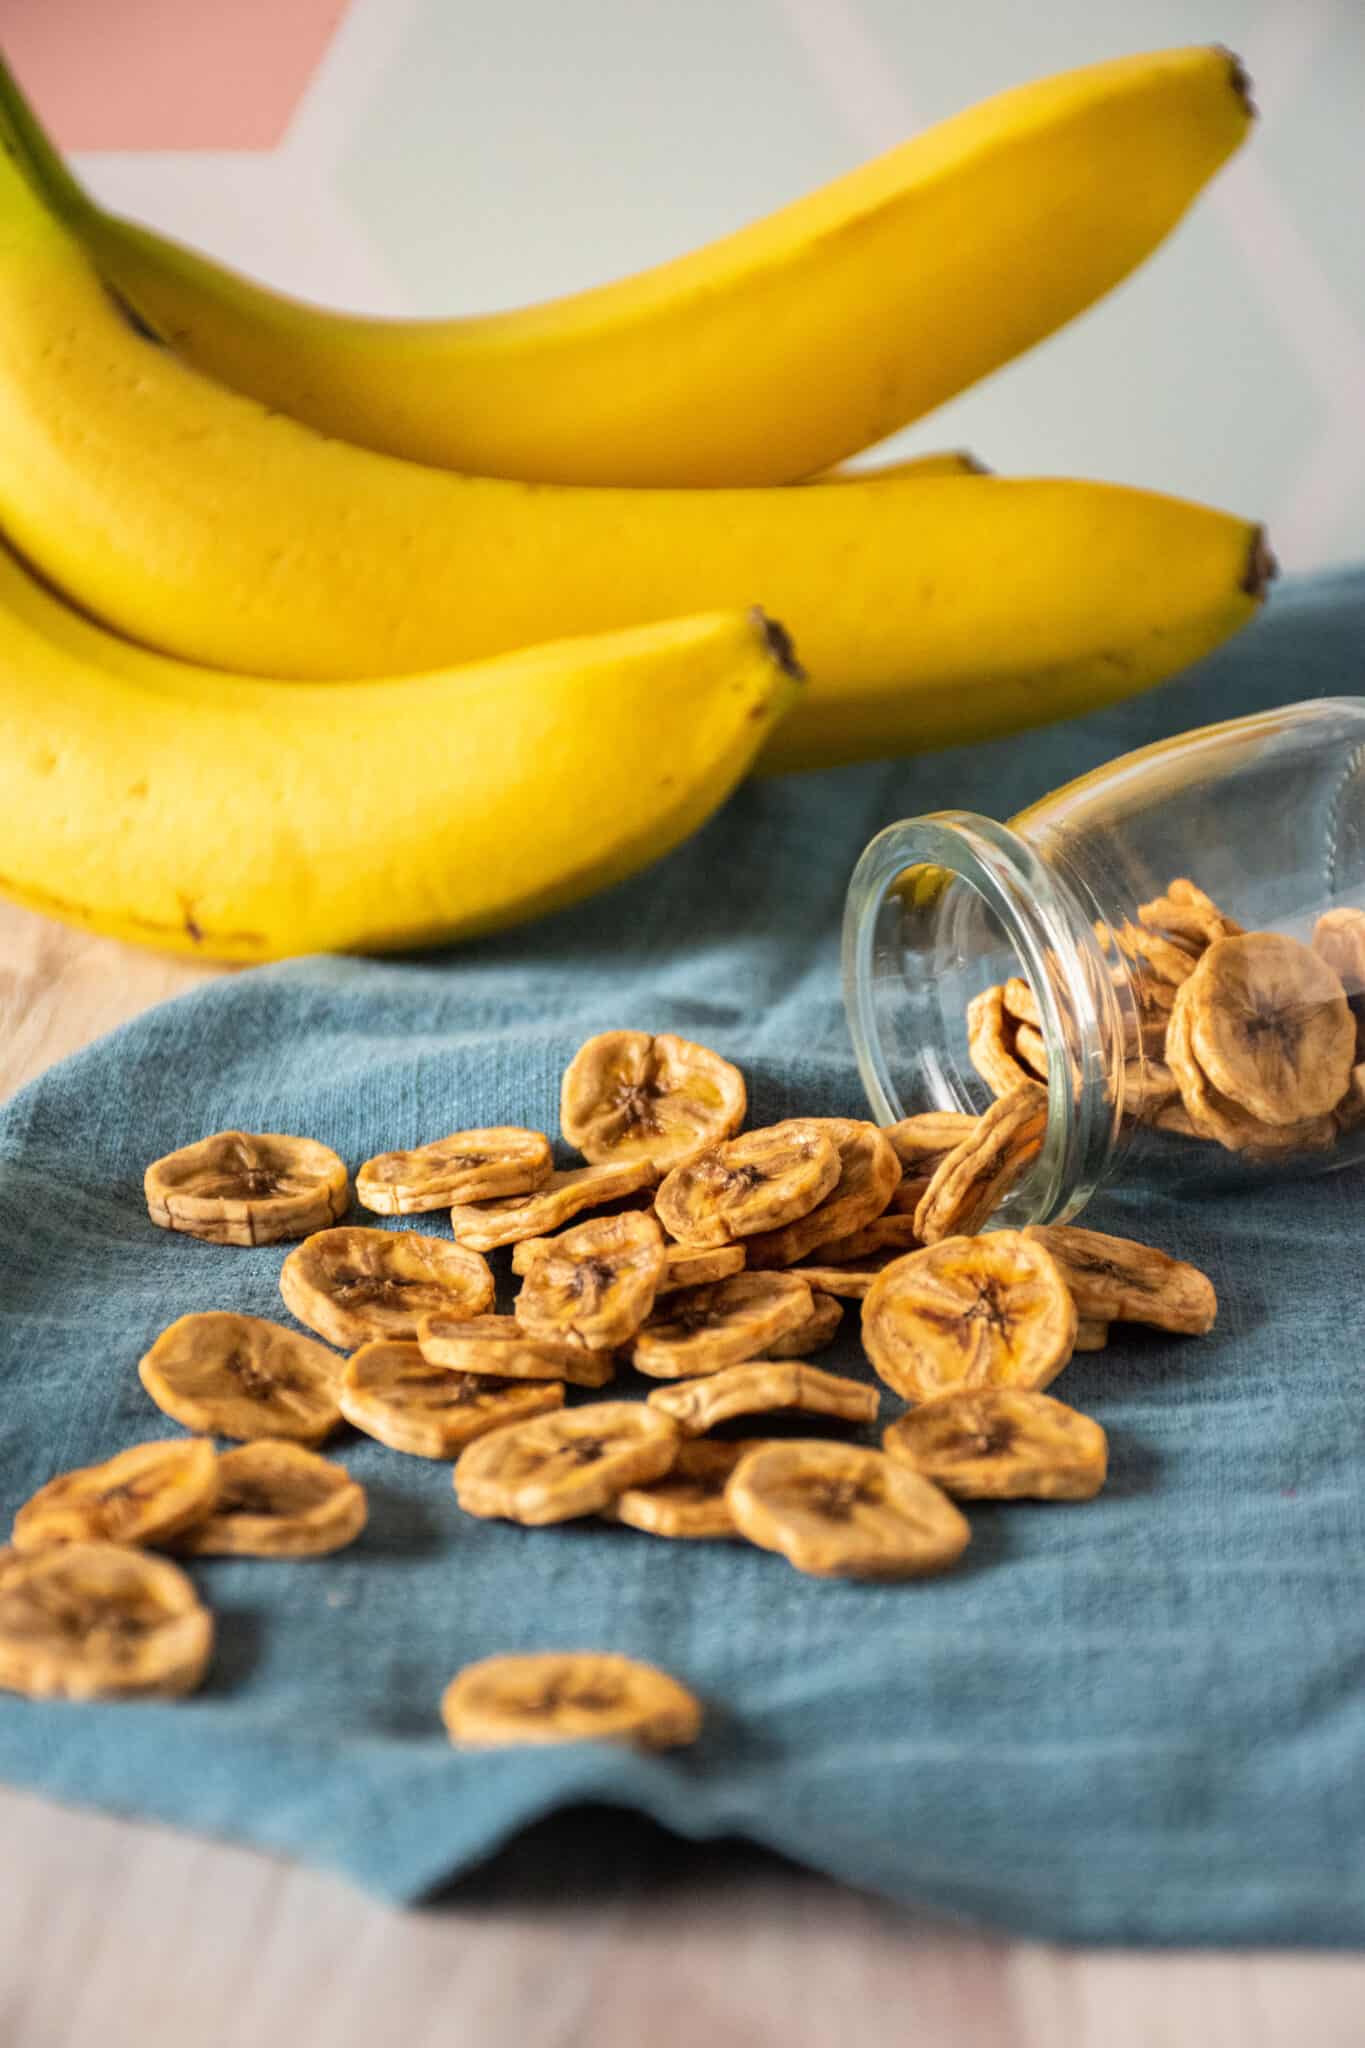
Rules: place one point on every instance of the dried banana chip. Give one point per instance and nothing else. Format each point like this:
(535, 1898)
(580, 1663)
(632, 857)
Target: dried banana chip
(971, 1182)
(850, 1282)
(240, 1376)
(561, 1466)
(837, 1511)
(919, 1142)
(1148, 1085)
(391, 1393)
(815, 1334)
(763, 1388)
(1021, 1003)
(1116, 1280)
(595, 1284)
(484, 1226)
(890, 1233)
(1339, 939)
(279, 1500)
(353, 1284)
(90, 1621)
(468, 1166)
(988, 1311)
(1351, 1108)
(704, 1329)
(627, 1095)
(753, 1183)
(910, 1191)
(143, 1496)
(869, 1174)
(1188, 916)
(1161, 959)
(688, 1265)
(1174, 1118)
(990, 1043)
(568, 1696)
(1002, 1443)
(238, 1187)
(1091, 1335)
(500, 1347)
(1271, 1027)
(690, 1499)
(1031, 1049)
(1212, 1115)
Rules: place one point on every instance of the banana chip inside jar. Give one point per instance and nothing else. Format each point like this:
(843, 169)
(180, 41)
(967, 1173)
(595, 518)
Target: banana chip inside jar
(90, 1621)
(485, 1226)
(630, 1095)
(354, 1284)
(561, 1466)
(240, 1376)
(970, 1182)
(1116, 1280)
(468, 1166)
(1215, 1116)
(499, 1347)
(764, 1388)
(568, 1696)
(145, 1495)
(990, 1042)
(1002, 1443)
(869, 1173)
(989, 1311)
(1270, 1026)
(702, 1329)
(840, 1512)
(237, 1187)
(594, 1285)
(752, 1183)
(919, 1142)
(277, 1499)
(389, 1391)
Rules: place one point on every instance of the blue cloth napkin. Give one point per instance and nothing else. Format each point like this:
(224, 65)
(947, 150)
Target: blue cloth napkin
(1142, 1720)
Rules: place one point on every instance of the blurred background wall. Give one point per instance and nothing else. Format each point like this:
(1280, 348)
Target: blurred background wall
(451, 155)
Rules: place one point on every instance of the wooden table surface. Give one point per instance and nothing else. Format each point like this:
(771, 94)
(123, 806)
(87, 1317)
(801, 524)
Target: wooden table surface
(139, 1937)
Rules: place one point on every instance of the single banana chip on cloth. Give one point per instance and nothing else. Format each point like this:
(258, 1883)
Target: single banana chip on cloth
(92, 1621)
(1213, 1115)
(593, 1286)
(970, 1182)
(689, 1501)
(853, 1283)
(279, 1500)
(498, 1347)
(764, 1387)
(919, 1142)
(225, 1374)
(838, 1511)
(703, 1329)
(818, 1331)
(394, 1395)
(486, 1226)
(1002, 1443)
(989, 1311)
(869, 1173)
(239, 1187)
(752, 1183)
(568, 1696)
(1116, 1280)
(468, 1166)
(630, 1095)
(889, 1233)
(144, 1495)
(690, 1265)
(1091, 1334)
(354, 1284)
(1271, 1027)
(561, 1466)
(990, 1043)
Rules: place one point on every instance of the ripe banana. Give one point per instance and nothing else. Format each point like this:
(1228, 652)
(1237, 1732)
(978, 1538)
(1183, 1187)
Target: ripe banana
(245, 820)
(874, 298)
(927, 610)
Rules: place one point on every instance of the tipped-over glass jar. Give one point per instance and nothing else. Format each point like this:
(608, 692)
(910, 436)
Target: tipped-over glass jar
(1174, 944)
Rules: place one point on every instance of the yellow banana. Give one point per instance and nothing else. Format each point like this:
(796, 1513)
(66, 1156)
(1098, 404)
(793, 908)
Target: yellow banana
(244, 820)
(765, 356)
(926, 610)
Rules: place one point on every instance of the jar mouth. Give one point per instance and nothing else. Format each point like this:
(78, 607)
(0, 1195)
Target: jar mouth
(1045, 918)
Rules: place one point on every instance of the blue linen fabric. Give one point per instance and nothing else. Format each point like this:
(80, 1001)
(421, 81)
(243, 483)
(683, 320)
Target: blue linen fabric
(1141, 1720)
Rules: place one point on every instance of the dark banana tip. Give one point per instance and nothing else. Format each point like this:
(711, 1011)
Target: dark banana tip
(1261, 568)
(779, 643)
(1239, 78)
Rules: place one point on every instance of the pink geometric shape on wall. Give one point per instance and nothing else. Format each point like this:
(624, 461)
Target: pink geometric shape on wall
(167, 74)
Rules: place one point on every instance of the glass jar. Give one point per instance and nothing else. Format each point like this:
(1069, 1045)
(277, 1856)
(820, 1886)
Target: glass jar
(1062, 909)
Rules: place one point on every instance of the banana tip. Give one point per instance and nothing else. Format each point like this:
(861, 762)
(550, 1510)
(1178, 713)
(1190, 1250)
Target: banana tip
(1261, 568)
(779, 644)
(1239, 78)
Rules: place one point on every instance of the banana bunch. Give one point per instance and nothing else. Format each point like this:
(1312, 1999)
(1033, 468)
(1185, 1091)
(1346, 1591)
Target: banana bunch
(348, 541)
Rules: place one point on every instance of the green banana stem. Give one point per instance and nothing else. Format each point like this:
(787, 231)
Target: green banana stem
(38, 154)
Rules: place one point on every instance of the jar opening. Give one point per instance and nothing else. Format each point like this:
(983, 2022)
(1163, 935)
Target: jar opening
(943, 907)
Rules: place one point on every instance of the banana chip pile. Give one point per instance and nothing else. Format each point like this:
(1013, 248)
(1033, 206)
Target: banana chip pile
(710, 1260)
(1248, 1040)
